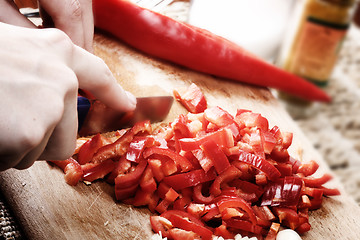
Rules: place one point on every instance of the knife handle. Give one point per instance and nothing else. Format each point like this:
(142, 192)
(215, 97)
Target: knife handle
(83, 106)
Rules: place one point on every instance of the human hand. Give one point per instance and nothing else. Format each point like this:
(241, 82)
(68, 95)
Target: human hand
(74, 17)
(40, 74)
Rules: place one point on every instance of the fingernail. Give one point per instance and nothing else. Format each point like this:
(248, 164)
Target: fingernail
(131, 98)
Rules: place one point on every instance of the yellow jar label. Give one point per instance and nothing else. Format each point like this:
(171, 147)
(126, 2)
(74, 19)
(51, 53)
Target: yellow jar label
(317, 49)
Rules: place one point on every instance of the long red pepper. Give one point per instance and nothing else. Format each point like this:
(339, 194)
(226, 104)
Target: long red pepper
(195, 48)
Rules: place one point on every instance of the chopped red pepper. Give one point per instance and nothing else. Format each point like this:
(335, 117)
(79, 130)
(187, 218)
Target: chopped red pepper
(207, 169)
(189, 179)
(183, 162)
(228, 175)
(271, 172)
(217, 156)
(125, 180)
(72, 170)
(193, 99)
(284, 192)
(87, 151)
(94, 171)
(229, 202)
(317, 182)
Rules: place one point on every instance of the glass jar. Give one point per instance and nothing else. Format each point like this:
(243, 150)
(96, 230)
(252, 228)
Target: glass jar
(312, 45)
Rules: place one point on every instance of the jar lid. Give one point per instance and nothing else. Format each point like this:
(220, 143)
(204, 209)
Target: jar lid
(342, 2)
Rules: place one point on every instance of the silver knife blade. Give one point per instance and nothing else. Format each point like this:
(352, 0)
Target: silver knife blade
(102, 119)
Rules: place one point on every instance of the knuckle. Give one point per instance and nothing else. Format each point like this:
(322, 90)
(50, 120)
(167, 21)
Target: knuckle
(108, 78)
(58, 37)
(75, 10)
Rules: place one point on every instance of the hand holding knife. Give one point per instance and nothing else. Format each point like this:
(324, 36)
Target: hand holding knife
(95, 117)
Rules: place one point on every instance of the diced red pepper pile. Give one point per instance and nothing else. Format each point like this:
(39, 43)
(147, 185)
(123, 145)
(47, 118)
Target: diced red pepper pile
(206, 173)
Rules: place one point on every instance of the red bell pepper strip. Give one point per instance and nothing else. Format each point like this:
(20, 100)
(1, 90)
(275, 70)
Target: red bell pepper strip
(125, 180)
(222, 137)
(308, 168)
(199, 197)
(196, 48)
(88, 149)
(260, 163)
(160, 224)
(243, 225)
(287, 216)
(94, 171)
(189, 179)
(284, 192)
(317, 182)
(187, 225)
(229, 174)
(180, 234)
(222, 231)
(218, 116)
(121, 145)
(137, 146)
(72, 170)
(217, 156)
(204, 161)
(274, 229)
(193, 99)
(125, 193)
(182, 214)
(231, 202)
(181, 161)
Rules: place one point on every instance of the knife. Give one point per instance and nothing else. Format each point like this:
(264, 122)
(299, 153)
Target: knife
(95, 117)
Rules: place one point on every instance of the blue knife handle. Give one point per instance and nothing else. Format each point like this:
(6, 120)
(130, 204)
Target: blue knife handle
(83, 106)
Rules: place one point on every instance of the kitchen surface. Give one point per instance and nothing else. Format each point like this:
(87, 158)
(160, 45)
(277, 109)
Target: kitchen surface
(330, 133)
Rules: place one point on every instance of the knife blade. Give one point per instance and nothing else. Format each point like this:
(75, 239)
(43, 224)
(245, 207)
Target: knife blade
(95, 117)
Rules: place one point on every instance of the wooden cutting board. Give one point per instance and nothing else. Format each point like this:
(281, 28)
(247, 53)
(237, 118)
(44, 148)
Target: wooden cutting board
(48, 208)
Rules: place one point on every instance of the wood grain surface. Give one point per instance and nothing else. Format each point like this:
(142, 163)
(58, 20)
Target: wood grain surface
(48, 208)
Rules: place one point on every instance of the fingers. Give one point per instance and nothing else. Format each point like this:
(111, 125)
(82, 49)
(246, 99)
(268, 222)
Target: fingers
(34, 154)
(74, 17)
(94, 76)
(11, 15)
(62, 141)
(88, 24)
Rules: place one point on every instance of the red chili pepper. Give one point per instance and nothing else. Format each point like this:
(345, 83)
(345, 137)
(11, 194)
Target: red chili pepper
(195, 48)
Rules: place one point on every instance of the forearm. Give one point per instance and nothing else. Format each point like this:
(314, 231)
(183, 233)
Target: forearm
(11, 15)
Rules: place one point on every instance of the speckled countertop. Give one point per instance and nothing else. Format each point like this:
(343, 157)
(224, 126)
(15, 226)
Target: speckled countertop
(334, 128)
